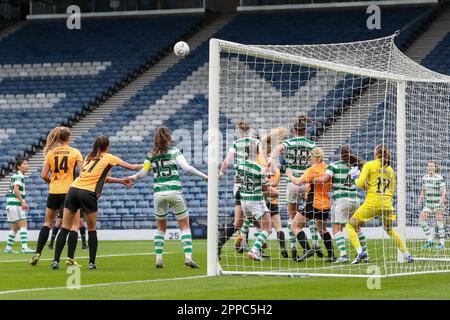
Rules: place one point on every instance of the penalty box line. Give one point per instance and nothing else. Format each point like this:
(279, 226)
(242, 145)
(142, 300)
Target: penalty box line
(87, 257)
(105, 284)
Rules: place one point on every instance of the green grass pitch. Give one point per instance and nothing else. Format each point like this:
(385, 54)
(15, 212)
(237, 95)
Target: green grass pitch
(126, 271)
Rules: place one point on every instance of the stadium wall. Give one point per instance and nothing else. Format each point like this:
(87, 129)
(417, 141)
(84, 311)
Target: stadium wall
(332, 5)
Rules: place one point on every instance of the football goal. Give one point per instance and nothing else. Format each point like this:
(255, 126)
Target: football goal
(359, 94)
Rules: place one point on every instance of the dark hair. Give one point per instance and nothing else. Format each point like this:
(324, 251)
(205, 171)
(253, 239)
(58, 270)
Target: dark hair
(100, 145)
(300, 125)
(350, 158)
(162, 141)
(383, 153)
(19, 162)
(435, 164)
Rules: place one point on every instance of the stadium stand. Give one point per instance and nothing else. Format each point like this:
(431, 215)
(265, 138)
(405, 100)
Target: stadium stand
(69, 70)
(178, 99)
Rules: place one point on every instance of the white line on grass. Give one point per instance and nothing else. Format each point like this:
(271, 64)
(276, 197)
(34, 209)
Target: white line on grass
(86, 257)
(105, 284)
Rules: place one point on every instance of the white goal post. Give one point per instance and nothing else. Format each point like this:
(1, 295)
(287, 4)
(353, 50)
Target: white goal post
(361, 94)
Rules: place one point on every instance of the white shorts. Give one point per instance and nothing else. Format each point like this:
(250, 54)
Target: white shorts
(172, 200)
(15, 214)
(254, 210)
(295, 193)
(343, 209)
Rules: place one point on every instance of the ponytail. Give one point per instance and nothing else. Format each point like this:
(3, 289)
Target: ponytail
(383, 153)
(162, 141)
(55, 137)
(52, 139)
(100, 145)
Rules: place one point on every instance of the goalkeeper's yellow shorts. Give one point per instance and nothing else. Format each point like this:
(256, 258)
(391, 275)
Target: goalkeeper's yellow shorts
(369, 211)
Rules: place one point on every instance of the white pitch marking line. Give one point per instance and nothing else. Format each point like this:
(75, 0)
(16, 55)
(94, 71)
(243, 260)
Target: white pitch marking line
(105, 284)
(86, 257)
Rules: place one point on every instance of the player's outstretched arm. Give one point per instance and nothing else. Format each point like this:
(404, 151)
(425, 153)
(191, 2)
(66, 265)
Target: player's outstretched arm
(361, 181)
(225, 163)
(294, 179)
(131, 167)
(321, 179)
(125, 181)
(181, 161)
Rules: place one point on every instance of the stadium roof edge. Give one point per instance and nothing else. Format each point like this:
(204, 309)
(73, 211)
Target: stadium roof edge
(332, 5)
(117, 13)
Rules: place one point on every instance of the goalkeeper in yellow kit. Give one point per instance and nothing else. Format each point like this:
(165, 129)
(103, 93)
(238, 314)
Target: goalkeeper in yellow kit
(378, 179)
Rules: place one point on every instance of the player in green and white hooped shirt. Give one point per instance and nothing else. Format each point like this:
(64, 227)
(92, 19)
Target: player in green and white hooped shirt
(254, 186)
(165, 161)
(434, 192)
(342, 175)
(16, 207)
(297, 151)
(236, 152)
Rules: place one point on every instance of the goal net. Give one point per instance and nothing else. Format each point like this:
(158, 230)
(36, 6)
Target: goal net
(360, 94)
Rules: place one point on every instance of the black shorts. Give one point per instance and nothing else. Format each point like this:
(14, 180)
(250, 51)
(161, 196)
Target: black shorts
(273, 208)
(237, 197)
(81, 199)
(313, 213)
(56, 201)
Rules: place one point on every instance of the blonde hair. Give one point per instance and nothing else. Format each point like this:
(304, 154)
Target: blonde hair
(274, 138)
(317, 152)
(56, 136)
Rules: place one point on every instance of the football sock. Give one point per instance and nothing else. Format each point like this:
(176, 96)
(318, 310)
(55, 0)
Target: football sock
(281, 239)
(441, 232)
(186, 239)
(328, 243)
(262, 237)
(353, 236)
(42, 239)
(314, 233)
(363, 241)
(23, 233)
(397, 240)
(340, 242)
(60, 243)
(245, 226)
(292, 240)
(72, 244)
(93, 244)
(256, 234)
(54, 233)
(10, 241)
(159, 244)
(426, 230)
(83, 235)
(303, 240)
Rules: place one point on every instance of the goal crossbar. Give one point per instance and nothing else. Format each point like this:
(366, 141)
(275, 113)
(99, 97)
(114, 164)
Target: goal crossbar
(283, 57)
